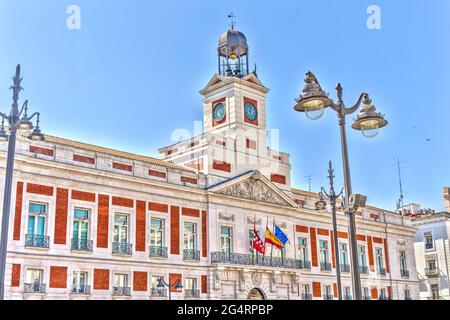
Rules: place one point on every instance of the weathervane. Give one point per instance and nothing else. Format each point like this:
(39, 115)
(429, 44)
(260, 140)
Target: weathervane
(233, 23)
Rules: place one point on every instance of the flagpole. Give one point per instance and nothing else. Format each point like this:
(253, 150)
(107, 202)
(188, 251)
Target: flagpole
(271, 247)
(267, 225)
(253, 249)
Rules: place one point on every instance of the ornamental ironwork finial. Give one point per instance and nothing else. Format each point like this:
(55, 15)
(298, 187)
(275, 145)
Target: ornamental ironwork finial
(233, 23)
(16, 88)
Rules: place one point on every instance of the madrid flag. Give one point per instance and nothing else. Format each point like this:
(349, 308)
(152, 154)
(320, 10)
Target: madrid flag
(258, 244)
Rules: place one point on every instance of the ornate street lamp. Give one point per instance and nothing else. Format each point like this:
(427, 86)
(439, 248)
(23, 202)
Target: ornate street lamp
(321, 205)
(17, 120)
(313, 101)
(162, 284)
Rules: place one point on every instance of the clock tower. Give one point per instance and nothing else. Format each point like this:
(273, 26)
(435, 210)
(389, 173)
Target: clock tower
(235, 135)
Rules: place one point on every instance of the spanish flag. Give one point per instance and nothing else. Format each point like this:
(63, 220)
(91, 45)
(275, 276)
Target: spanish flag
(270, 238)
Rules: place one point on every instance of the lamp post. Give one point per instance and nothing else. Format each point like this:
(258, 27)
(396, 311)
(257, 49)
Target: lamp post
(313, 102)
(17, 120)
(321, 205)
(162, 284)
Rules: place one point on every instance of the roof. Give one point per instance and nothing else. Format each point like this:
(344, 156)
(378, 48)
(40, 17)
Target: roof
(116, 153)
(305, 193)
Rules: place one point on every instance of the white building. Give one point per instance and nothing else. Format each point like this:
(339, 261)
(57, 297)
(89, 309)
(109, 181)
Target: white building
(432, 251)
(90, 222)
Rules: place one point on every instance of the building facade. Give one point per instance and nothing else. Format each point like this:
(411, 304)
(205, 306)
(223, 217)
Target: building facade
(90, 222)
(432, 251)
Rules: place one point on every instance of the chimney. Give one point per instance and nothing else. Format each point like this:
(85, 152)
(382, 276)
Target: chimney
(447, 199)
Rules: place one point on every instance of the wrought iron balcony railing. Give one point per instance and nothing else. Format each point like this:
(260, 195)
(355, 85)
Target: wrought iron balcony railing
(325, 266)
(157, 252)
(363, 269)
(367, 298)
(347, 297)
(432, 272)
(158, 292)
(429, 246)
(191, 255)
(327, 297)
(345, 267)
(258, 260)
(81, 245)
(34, 288)
(381, 271)
(122, 248)
(81, 289)
(404, 273)
(121, 291)
(191, 293)
(306, 296)
(36, 241)
(383, 298)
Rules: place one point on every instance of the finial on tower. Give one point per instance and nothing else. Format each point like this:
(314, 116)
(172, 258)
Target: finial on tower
(233, 23)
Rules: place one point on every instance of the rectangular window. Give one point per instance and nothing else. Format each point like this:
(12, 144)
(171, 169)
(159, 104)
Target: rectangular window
(34, 276)
(366, 293)
(343, 258)
(407, 294)
(428, 238)
(157, 232)
(37, 218)
(403, 266)
(121, 228)
(80, 224)
(190, 236)
(434, 291)
(120, 280)
(191, 283)
(303, 249)
(323, 251)
(347, 293)
(379, 258)
(80, 279)
(155, 281)
(383, 295)
(362, 256)
(431, 263)
(226, 240)
(327, 292)
(305, 289)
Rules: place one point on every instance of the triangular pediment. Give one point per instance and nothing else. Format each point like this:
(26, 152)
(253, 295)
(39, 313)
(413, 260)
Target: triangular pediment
(255, 187)
(252, 78)
(217, 81)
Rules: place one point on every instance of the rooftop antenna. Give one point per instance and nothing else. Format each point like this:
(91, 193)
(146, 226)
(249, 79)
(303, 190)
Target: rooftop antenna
(233, 23)
(309, 180)
(398, 163)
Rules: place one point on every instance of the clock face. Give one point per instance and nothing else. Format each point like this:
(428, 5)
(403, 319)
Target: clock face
(219, 112)
(250, 111)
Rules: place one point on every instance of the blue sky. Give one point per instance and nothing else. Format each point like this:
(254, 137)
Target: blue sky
(131, 76)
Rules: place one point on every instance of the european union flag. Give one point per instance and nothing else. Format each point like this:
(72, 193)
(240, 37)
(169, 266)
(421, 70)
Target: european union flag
(281, 236)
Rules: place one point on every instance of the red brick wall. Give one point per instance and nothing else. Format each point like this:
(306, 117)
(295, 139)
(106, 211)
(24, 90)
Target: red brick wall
(360, 237)
(122, 166)
(389, 292)
(159, 207)
(140, 225)
(303, 229)
(102, 221)
(15, 276)
(173, 277)
(83, 196)
(158, 174)
(190, 212)
(174, 230)
(314, 261)
(204, 284)
(374, 292)
(58, 277)
(316, 290)
(250, 144)
(101, 279)
(278, 178)
(386, 254)
(140, 281)
(333, 256)
(323, 232)
(39, 189)
(62, 203)
(370, 249)
(18, 211)
(189, 180)
(123, 202)
(221, 166)
(196, 164)
(335, 290)
(343, 235)
(204, 235)
(43, 151)
(377, 240)
(84, 159)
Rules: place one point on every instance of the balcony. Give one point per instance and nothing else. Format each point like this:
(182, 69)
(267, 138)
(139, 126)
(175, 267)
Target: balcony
(381, 271)
(158, 293)
(325, 266)
(404, 273)
(345, 267)
(327, 297)
(429, 246)
(34, 288)
(306, 296)
(36, 241)
(191, 255)
(82, 245)
(191, 293)
(121, 291)
(258, 260)
(82, 290)
(364, 269)
(157, 252)
(367, 298)
(122, 248)
(432, 272)
(347, 297)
